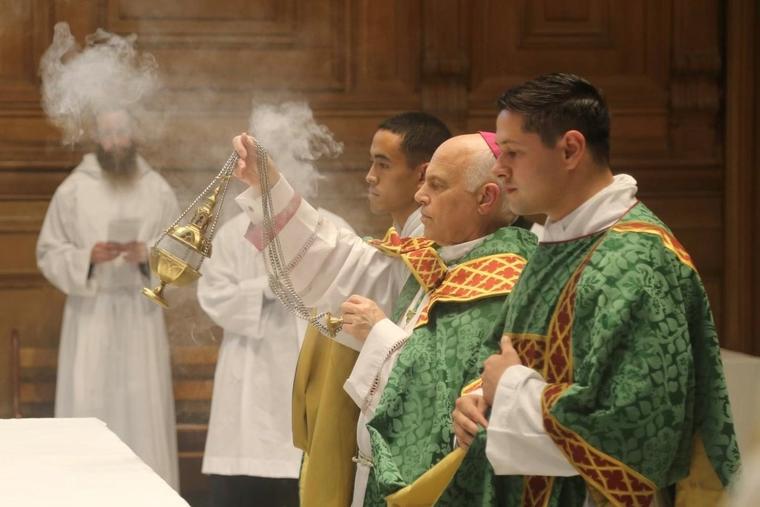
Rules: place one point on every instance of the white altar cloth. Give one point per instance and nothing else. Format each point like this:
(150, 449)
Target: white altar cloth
(75, 462)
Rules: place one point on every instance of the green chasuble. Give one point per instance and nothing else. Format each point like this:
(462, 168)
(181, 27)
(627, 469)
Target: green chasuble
(619, 326)
(411, 429)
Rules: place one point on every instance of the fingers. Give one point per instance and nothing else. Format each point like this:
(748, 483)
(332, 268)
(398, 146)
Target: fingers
(238, 143)
(508, 351)
(464, 429)
(466, 419)
(243, 145)
(102, 252)
(506, 343)
(354, 304)
(350, 312)
(478, 413)
(470, 413)
(464, 439)
(473, 407)
(108, 248)
(491, 362)
(348, 308)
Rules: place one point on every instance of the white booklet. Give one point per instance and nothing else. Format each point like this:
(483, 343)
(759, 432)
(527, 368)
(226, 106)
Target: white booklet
(123, 230)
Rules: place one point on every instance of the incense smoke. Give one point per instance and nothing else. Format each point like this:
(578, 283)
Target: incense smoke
(78, 83)
(294, 140)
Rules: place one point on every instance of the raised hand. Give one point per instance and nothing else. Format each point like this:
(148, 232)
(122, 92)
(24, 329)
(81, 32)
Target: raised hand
(247, 169)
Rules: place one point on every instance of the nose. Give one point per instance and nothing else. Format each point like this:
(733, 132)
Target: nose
(421, 197)
(501, 169)
(370, 177)
(113, 140)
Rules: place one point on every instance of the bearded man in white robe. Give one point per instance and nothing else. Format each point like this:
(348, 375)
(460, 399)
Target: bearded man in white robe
(114, 354)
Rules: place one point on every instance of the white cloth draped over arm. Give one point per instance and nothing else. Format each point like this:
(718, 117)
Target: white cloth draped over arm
(63, 261)
(517, 443)
(338, 263)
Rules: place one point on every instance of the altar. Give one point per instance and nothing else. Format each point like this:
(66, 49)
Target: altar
(75, 462)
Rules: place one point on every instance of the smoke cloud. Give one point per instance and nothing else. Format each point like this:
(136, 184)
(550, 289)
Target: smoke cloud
(78, 83)
(295, 141)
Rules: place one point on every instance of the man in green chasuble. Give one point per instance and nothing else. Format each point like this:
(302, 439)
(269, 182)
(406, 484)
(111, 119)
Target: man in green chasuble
(609, 389)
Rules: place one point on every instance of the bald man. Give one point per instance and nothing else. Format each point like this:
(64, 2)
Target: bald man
(445, 321)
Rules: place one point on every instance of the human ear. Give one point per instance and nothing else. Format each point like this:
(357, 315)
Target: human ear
(573, 145)
(421, 168)
(488, 197)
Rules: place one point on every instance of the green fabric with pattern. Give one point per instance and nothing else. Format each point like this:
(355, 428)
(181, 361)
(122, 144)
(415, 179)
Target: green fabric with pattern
(647, 372)
(411, 429)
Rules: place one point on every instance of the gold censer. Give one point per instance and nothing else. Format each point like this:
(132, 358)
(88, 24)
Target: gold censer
(178, 253)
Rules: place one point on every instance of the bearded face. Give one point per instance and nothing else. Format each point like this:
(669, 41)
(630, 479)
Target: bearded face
(118, 163)
(116, 151)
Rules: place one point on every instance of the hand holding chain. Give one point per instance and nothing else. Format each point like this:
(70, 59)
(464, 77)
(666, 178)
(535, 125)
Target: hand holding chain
(277, 270)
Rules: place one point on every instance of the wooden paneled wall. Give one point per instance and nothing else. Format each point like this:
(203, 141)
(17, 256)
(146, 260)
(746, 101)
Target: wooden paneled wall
(670, 70)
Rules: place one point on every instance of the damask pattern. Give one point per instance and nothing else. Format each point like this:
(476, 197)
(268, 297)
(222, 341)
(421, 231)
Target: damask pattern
(411, 429)
(646, 366)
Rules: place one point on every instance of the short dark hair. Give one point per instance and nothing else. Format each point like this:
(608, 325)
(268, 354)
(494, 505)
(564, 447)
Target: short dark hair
(552, 104)
(421, 134)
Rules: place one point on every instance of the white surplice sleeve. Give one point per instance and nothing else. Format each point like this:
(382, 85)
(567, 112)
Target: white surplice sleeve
(232, 303)
(517, 443)
(336, 265)
(373, 358)
(64, 263)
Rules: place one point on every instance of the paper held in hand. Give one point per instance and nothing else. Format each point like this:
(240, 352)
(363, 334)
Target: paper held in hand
(123, 230)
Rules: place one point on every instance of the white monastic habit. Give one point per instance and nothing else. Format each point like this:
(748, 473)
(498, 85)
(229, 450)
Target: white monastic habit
(114, 354)
(249, 430)
(337, 265)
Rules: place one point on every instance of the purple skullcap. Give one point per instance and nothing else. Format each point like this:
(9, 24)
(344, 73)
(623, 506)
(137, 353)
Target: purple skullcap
(490, 139)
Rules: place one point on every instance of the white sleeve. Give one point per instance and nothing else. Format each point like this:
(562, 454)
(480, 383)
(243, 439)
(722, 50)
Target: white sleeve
(373, 355)
(517, 443)
(63, 262)
(336, 219)
(338, 263)
(232, 303)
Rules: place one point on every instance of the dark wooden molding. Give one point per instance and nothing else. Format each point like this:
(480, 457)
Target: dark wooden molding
(755, 324)
(445, 61)
(741, 182)
(22, 280)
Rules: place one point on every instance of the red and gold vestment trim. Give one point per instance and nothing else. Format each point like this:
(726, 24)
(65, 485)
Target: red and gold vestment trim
(489, 276)
(668, 240)
(614, 480)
